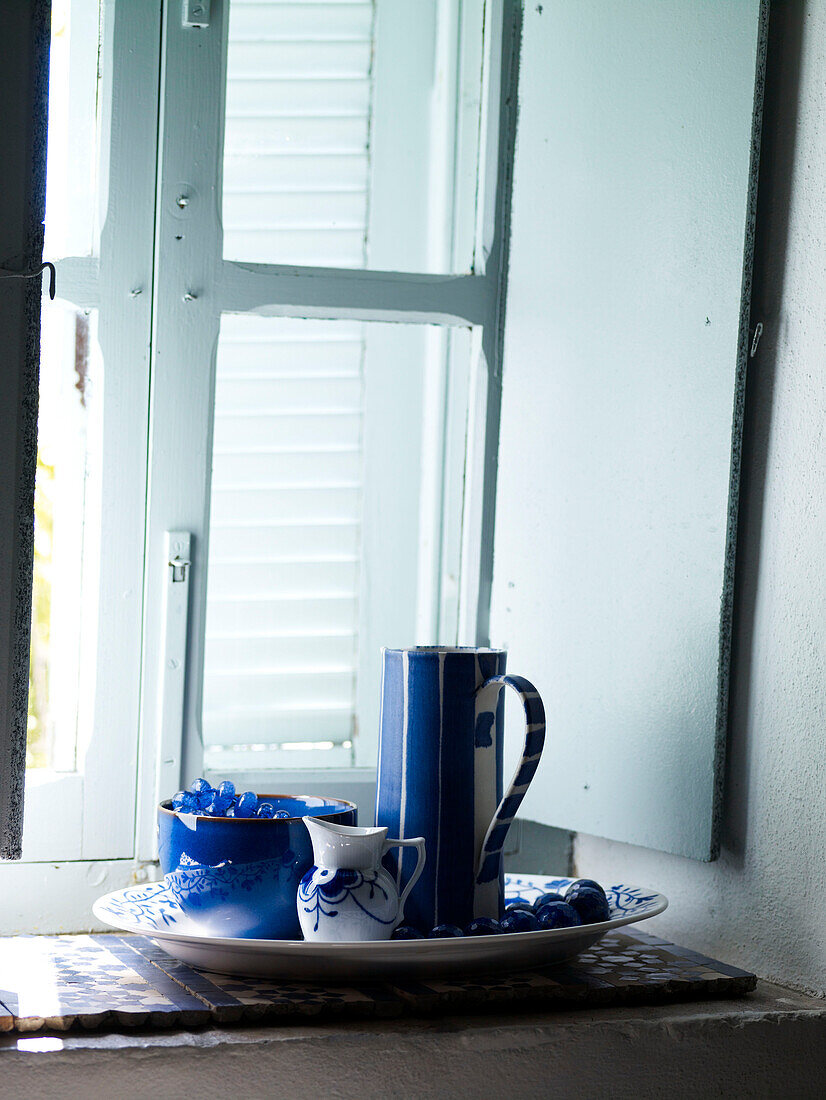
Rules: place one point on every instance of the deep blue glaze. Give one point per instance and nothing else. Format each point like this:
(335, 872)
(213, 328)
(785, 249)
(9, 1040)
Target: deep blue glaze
(483, 926)
(520, 921)
(445, 932)
(584, 884)
(239, 876)
(519, 906)
(590, 904)
(405, 932)
(557, 914)
(441, 775)
(537, 905)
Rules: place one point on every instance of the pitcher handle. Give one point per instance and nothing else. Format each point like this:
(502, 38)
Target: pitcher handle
(490, 855)
(417, 843)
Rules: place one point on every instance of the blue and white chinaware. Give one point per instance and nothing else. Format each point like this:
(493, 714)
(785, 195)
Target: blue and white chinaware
(347, 896)
(153, 910)
(237, 876)
(440, 775)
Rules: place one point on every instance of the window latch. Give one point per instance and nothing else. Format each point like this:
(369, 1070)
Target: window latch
(4, 274)
(172, 658)
(179, 567)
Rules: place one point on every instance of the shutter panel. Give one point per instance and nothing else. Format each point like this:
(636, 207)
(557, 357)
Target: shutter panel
(282, 610)
(282, 606)
(296, 144)
(319, 505)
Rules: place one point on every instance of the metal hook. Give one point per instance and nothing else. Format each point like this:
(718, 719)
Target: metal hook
(34, 275)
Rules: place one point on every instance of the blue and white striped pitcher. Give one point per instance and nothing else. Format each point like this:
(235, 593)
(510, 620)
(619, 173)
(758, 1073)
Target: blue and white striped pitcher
(440, 774)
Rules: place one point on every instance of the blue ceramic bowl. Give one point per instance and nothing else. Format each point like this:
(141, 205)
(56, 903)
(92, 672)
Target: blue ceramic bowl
(238, 876)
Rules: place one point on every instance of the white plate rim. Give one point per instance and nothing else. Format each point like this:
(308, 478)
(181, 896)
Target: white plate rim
(425, 947)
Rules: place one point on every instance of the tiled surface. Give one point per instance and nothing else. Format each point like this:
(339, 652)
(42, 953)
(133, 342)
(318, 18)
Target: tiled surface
(112, 981)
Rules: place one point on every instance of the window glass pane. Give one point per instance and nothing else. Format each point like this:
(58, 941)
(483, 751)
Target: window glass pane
(69, 433)
(351, 134)
(66, 518)
(71, 163)
(327, 486)
(92, 434)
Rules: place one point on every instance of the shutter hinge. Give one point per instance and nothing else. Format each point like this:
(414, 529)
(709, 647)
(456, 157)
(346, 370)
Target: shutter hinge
(195, 13)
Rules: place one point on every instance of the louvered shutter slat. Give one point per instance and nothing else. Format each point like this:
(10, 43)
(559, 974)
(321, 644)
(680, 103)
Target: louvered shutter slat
(275, 96)
(282, 606)
(255, 725)
(301, 19)
(284, 540)
(270, 616)
(270, 175)
(228, 655)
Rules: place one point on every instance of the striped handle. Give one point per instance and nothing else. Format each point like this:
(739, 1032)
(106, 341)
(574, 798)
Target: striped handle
(490, 856)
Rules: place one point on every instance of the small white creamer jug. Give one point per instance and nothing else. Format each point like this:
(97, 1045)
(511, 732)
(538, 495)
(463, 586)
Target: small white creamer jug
(348, 896)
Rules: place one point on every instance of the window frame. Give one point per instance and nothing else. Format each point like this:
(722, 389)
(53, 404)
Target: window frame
(75, 816)
(146, 43)
(189, 239)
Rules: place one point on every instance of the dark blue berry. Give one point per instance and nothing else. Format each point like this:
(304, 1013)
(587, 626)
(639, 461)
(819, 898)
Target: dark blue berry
(591, 906)
(281, 814)
(246, 805)
(266, 809)
(444, 931)
(200, 786)
(519, 907)
(520, 921)
(405, 932)
(545, 899)
(483, 926)
(584, 884)
(558, 914)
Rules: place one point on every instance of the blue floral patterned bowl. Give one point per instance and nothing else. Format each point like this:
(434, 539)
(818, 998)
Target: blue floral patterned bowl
(239, 876)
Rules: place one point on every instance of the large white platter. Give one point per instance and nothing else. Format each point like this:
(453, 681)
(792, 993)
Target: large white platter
(152, 911)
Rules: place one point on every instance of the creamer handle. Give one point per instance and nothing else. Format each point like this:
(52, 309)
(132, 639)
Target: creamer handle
(418, 844)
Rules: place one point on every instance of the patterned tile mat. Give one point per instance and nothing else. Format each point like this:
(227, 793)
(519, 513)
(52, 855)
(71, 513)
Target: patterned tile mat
(112, 981)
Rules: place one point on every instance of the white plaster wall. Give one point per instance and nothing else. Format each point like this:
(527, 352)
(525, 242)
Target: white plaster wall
(763, 904)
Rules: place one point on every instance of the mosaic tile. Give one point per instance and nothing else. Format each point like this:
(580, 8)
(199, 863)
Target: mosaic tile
(224, 1008)
(231, 999)
(122, 980)
(62, 981)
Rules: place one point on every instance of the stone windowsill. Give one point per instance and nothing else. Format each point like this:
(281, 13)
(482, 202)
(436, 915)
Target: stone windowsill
(770, 1043)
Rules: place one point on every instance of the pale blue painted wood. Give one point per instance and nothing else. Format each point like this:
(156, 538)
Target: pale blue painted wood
(623, 369)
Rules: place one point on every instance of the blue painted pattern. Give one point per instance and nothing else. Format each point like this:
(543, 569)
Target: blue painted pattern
(323, 892)
(153, 907)
(440, 774)
(623, 900)
(239, 876)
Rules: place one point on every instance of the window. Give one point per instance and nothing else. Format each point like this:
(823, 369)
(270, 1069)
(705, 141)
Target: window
(276, 359)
